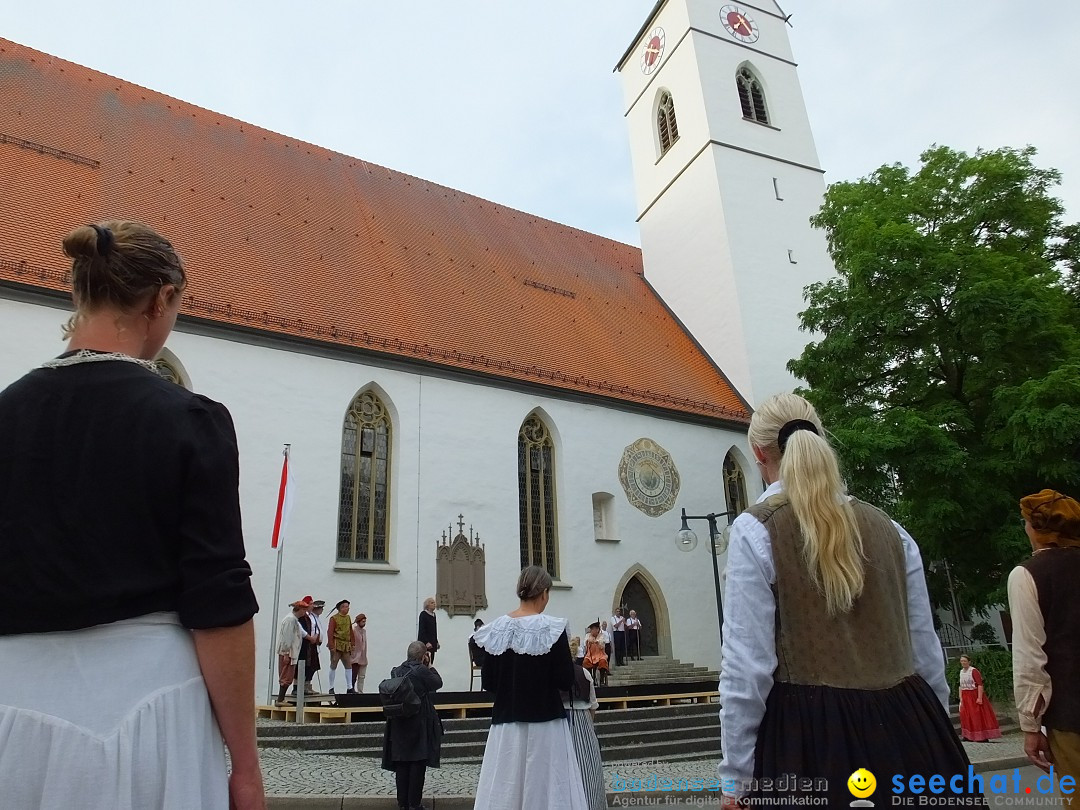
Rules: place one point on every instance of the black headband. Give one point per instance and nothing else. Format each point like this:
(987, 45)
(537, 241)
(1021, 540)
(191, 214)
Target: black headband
(104, 240)
(789, 428)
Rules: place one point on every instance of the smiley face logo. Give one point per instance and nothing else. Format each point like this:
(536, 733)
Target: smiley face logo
(861, 783)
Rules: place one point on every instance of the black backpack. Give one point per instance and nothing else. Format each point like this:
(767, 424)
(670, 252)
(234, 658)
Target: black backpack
(398, 697)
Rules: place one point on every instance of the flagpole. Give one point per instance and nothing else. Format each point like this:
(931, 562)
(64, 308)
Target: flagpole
(273, 611)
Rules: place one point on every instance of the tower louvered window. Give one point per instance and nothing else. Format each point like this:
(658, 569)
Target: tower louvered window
(667, 128)
(363, 508)
(751, 96)
(536, 495)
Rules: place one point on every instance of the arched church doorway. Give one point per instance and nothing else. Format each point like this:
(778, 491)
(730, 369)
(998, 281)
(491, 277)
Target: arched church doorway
(636, 597)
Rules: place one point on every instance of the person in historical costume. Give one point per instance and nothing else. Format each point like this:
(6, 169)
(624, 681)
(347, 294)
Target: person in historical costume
(309, 649)
(413, 744)
(978, 723)
(476, 655)
(605, 631)
(830, 660)
(359, 652)
(1044, 602)
(427, 628)
(119, 494)
(581, 705)
(318, 630)
(340, 641)
(633, 635)
(595, 659)
(529, 759)
(290, 637)
(618, 627)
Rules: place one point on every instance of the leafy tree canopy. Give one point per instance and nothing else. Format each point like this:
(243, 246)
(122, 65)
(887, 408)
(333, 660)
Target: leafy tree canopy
(948, 364)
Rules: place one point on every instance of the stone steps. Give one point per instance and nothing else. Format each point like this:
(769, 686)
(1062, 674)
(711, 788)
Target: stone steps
(681, 732)
(659, 670)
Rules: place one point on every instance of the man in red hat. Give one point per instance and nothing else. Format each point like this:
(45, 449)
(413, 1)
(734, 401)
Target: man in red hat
(309, 648)
(290, 639)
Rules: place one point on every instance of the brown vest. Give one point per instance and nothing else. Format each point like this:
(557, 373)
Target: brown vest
(1056, 572)
(869, 647)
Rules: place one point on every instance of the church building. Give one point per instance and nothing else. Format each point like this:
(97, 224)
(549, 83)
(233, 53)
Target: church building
(464, 388)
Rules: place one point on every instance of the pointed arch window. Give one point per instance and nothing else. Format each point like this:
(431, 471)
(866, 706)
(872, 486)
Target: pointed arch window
(536, 495)
(363, 506)
(667, 128)
(734, 486)
(751, 96)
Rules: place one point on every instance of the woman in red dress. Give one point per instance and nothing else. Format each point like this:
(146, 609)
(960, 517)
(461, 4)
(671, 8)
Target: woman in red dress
(596, 660)
(978, 723)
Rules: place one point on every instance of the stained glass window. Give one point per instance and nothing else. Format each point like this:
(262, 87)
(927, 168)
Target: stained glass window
(363, 508)
(536, 496)
(734, 486)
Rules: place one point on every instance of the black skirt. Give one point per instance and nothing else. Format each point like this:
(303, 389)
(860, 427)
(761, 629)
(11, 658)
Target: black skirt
(813, 738)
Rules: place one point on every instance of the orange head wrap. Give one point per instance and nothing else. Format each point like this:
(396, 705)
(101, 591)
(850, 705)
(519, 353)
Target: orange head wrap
(1054, 517)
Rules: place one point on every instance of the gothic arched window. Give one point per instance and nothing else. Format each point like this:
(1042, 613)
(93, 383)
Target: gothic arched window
(536, 495)
(363, 506)
(734, 486)
(751, 96)
(667, 129)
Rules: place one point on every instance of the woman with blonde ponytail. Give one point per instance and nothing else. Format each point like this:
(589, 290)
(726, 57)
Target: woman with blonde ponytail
(830, 660)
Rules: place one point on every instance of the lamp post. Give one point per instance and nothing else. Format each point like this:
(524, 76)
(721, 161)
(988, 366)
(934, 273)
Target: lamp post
(686, 540)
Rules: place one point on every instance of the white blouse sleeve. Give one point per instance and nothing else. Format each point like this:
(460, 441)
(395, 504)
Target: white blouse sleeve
(927, 654)
(1030, 678)
(749, 649)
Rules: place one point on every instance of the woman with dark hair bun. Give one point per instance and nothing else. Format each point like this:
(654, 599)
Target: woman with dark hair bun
(529, 760)
(119, 494)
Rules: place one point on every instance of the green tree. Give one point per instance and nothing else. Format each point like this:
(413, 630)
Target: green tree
(948, 367)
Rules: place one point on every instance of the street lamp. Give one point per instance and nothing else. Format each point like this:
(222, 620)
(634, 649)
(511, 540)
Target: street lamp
(686, 540)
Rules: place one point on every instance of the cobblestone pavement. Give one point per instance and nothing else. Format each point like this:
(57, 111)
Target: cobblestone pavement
(299, 773)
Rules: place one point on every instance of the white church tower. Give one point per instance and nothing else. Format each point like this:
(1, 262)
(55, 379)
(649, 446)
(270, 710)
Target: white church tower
(727, 177)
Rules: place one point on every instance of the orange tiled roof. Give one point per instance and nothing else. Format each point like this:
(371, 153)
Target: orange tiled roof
(286, 237)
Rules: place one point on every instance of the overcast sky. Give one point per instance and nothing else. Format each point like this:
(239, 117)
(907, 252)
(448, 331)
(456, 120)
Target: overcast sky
(516, 101)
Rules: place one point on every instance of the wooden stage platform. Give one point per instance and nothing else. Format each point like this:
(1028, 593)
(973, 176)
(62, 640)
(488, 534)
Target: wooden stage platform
(366, 707)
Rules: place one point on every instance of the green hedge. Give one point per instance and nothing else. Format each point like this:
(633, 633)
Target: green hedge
(996, 669)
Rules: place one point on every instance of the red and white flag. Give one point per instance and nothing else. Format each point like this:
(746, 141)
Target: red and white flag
(284, 502)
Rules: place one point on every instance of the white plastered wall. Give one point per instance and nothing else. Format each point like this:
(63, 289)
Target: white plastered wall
(454, 451)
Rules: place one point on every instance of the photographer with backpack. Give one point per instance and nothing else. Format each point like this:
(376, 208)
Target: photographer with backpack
(414, 730)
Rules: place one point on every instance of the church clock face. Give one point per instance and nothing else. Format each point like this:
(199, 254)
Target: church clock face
(739, 24)
(653, 50)
(649, 477)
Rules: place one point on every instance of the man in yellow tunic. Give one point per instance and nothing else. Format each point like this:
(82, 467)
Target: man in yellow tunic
(341, 645)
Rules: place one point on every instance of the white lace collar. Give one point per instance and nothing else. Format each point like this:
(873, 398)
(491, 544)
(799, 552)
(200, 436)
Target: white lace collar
(92, 356)
(527, 635)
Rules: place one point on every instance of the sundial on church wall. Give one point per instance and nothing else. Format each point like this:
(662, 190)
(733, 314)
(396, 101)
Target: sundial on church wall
(649, 477)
